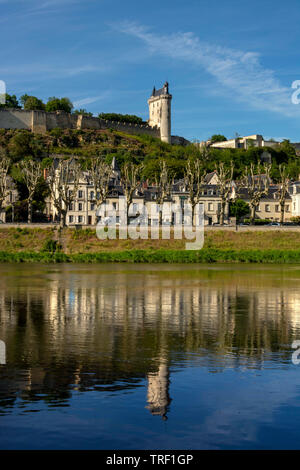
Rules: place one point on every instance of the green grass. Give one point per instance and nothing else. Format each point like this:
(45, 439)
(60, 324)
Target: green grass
(208, 255)
(46, 245)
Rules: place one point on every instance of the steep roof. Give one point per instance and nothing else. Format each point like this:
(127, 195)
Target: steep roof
(162, 91)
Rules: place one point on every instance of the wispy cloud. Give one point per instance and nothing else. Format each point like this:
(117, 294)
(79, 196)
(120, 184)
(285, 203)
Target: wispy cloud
(52, 71)
(239, 72)
(48, 5)
(28, 8)
(38, 4)
(90, 100)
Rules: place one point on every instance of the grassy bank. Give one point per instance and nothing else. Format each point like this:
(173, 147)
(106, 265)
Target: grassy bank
(206, 255)
(49, 245)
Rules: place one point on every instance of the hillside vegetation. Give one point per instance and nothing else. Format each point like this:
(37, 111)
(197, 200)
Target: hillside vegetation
(140, 148)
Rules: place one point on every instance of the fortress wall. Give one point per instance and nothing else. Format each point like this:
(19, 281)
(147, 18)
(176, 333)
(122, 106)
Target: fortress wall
(15, 119)
(89, 122)
(40, 122)
(61, 120)
(130, 128)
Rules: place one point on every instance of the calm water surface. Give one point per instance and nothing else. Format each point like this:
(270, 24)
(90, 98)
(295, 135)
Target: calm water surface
(149, 357)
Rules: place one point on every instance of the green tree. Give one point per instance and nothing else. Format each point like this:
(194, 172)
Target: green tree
(84, 112)
(23, 99)
(130, 118)
(11, 101)
(33, 103)
(23, 144)
(238, 209)
(59, 104)
(217, 138)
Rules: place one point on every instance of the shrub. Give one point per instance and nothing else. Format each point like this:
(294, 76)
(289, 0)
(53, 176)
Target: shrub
(258, 221)
(51, 246)
(296, 219)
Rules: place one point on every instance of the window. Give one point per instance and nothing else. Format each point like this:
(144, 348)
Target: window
(182, 201)
(258, 208)
(276, 208)
(210, 206)
(80, 219)
(114, 204)
(80, 194)
(267, 208)
(92, 195)
(71, 206)
(287, 208)
(92, 207)
(80, 206)
(71, 219)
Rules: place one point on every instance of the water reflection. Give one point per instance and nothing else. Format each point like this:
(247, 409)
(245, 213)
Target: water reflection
(114, 328)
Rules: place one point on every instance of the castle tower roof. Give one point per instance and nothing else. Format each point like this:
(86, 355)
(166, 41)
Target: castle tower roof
(162, 91)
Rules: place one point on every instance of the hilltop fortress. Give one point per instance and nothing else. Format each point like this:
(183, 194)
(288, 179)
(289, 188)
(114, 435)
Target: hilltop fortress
(159, 124)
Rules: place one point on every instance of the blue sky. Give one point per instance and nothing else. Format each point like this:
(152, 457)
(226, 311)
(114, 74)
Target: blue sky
(230, 64)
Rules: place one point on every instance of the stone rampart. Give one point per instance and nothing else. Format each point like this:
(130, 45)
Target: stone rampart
(41, 122)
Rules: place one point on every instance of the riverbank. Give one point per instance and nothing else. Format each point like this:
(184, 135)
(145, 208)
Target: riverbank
(49, 245)
(206, 255)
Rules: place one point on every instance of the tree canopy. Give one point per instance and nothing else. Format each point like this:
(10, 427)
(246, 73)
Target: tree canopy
(59, 104)
(11, 101)
(239, 208)
(217, 138)
(130, 118)
(32, 103)
(84, 112)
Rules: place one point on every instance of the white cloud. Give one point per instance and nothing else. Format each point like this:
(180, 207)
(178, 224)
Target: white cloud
(49, 4)
(238, 72)
(53, 71)
(90, 100)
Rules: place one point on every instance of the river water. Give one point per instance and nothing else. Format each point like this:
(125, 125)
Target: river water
(149, 357)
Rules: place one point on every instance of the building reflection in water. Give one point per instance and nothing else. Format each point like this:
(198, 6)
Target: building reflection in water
(158, 391)
(108, 328)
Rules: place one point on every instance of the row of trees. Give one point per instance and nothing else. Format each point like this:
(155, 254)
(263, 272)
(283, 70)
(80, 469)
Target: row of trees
(254, 183)
(29, 102)
(129, 118)
(62, 177)
(255, 179)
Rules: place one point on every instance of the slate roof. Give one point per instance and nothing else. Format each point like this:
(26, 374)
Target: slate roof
(162, 91)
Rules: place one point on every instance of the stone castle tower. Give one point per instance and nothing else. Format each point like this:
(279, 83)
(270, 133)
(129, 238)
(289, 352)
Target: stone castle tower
(160, 112)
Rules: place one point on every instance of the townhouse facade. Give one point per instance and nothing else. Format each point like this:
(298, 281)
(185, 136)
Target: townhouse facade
(12, 197)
